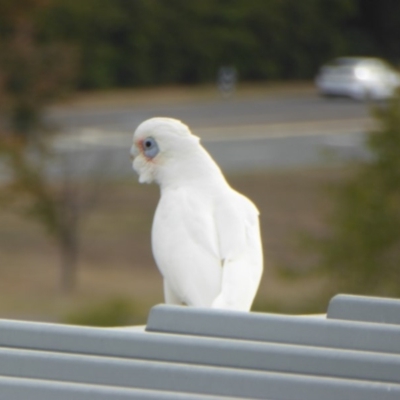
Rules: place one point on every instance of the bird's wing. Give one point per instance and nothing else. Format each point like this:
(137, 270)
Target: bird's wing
(241, 249)
(185, 246)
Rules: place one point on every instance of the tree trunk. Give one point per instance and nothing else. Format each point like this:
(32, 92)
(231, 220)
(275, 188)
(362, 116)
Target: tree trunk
(69, 260)
(68, 235)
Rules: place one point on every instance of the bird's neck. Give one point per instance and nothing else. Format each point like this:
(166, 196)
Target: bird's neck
(197, 168)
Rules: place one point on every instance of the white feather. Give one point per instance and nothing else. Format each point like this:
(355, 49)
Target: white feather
(205, 236)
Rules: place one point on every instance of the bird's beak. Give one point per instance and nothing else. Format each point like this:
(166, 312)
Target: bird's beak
(134, 152)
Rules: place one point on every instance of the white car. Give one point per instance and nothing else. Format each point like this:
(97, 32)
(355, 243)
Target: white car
(360, 78)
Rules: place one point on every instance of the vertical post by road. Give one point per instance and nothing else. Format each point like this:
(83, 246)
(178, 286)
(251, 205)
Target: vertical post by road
(226, 80)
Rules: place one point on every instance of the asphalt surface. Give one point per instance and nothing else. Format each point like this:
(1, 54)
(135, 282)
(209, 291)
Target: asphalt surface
(284, 130)
(288, 107)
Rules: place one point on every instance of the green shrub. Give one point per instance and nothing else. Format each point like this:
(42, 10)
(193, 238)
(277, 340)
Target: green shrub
(363, 249)
(114, 312)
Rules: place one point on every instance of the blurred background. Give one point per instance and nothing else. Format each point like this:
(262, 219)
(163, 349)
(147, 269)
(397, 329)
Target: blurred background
(311, 137)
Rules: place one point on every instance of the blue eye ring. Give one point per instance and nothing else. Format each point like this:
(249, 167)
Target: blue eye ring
(150, 147)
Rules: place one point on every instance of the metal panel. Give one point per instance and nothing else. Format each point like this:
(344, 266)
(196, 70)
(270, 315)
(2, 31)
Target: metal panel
(363, 308)
(184, 378)
(193, 353)
(34, 389)
(275, 328)
(202, 351)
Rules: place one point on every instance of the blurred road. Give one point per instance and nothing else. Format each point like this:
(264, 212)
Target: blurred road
(272, 131)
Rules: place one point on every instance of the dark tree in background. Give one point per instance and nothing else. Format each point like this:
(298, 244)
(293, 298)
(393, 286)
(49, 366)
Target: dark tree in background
(32, 75)
(146, 42)
(143, 42)
(381, 20)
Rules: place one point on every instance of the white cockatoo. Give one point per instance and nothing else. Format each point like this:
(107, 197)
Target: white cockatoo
(205, 235)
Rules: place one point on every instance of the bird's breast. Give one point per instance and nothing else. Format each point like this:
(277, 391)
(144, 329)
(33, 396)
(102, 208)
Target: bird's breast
(185, 242)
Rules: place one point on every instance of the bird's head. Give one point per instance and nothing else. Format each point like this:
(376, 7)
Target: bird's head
(162, 145)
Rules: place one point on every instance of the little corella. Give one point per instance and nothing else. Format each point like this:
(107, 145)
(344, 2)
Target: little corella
(205, 236)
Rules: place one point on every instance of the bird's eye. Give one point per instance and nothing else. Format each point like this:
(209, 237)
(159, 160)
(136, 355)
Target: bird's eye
(150, 147)
(148, 143)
